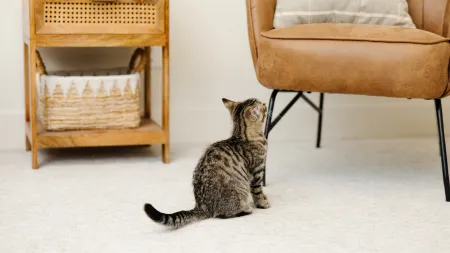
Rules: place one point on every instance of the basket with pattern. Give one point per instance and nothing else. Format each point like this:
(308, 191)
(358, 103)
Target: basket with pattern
(108, 99)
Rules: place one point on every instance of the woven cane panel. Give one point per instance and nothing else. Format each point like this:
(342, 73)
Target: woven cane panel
(99, 13)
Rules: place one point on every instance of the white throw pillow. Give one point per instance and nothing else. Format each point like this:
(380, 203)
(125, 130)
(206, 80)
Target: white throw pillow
(375, 12)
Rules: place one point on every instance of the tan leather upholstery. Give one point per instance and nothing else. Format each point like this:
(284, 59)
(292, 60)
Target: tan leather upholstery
(431, 15)
(354, 59)
(260, 19)
(416, 12)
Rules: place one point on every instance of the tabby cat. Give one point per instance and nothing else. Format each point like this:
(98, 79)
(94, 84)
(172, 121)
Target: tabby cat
(228, 177)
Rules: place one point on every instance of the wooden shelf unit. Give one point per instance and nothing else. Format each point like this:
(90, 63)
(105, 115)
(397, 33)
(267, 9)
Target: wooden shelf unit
(40, 31)
(148, 131)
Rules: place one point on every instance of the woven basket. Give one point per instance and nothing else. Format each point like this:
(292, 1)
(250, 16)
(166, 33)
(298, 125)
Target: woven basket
(90, 100)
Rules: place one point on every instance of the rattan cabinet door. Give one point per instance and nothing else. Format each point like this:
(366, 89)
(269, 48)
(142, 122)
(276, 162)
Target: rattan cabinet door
(99, 16)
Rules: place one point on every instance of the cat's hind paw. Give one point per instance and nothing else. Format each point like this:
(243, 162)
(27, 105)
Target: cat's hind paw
(262, 204)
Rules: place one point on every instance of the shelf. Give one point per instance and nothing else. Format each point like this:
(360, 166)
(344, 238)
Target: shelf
(148, 133)
(87, 29)
(99, 40)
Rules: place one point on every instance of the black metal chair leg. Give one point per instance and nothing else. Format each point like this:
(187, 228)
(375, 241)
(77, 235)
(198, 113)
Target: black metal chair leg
(319, 125)
(271, 124)
(270, 113)
(443, 150)
(268, 121)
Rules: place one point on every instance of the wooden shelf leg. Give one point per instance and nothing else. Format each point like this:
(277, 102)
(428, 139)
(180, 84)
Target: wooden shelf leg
(26, 79)
(32, 78)
(165, 103)
(148, 83)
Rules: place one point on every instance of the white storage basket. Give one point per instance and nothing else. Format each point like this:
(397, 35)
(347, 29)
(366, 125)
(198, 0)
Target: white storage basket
(87, 100)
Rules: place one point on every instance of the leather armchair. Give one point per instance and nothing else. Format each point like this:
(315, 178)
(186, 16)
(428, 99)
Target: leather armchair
(354, 59)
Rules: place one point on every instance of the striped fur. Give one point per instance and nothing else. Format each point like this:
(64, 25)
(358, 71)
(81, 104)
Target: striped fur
(228, 178)
(175, 220)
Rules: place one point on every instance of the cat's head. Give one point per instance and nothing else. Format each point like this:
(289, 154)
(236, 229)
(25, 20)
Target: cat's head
(251, 112)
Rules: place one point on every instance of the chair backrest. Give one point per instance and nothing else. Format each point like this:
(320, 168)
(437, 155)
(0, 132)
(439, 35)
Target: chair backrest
(431, 15)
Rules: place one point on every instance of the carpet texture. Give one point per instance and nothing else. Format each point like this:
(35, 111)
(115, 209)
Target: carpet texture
(351, 196)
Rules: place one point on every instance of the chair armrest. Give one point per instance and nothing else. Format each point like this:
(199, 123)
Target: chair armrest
(446, 26)
(435, 15)
(436, 19)
(260, 15)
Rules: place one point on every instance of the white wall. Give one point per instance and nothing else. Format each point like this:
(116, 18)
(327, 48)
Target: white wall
(210, 59)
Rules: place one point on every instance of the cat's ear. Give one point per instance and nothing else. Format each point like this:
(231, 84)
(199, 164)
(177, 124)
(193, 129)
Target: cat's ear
(230, 105)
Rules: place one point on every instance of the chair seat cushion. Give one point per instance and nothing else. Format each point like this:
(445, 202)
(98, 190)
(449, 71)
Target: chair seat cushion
(355, 59)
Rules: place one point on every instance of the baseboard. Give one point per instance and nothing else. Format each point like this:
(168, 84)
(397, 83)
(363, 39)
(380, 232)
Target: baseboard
(373, 121)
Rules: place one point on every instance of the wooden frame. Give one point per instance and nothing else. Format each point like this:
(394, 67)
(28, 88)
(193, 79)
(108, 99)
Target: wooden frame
(147, 134)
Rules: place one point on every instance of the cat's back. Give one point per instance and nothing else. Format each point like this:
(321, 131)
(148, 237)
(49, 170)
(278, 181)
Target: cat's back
(218, 148)
(218, 153)
(231, 152)
(227, 147)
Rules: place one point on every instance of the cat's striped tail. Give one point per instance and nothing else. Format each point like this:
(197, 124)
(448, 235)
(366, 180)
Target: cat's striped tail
(175, 220)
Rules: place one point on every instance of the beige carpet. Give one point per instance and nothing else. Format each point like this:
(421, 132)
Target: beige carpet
(353, 196)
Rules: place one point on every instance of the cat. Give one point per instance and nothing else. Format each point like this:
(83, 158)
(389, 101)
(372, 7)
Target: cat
(228, 177)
